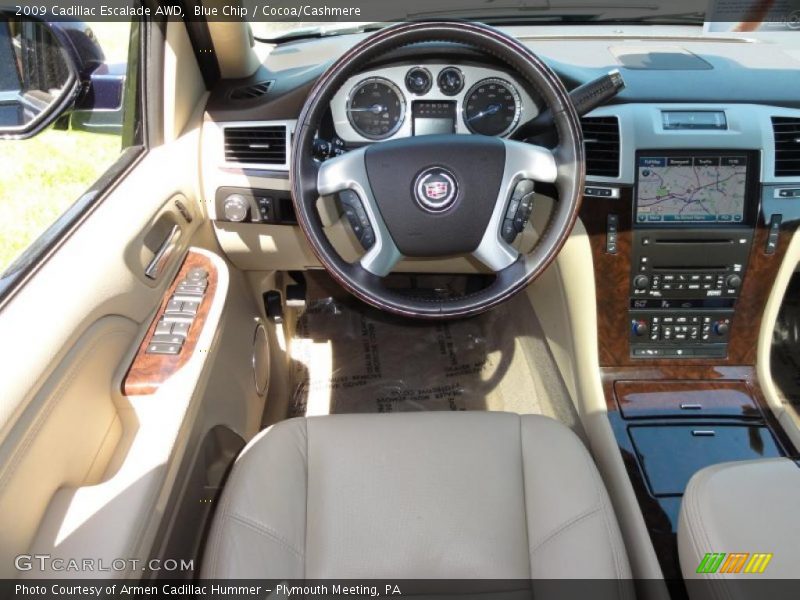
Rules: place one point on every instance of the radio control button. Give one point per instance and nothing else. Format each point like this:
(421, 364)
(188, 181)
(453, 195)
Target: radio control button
(733, 281)
(641, 282)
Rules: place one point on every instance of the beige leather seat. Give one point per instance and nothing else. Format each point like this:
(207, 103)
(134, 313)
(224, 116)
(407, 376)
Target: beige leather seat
(424, 495)
(748, 511)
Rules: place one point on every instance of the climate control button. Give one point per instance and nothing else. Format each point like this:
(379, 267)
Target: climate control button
(639, 328)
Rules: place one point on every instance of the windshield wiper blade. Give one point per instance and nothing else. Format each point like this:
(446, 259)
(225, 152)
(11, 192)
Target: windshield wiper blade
(661, 19)
(319, 31)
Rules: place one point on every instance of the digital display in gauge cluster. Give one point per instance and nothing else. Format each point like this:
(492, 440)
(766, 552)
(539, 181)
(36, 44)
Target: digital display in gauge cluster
(430, 117)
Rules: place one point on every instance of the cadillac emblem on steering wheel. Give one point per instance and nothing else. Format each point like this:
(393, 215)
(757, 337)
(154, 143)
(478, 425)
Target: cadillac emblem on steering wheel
(435, 189)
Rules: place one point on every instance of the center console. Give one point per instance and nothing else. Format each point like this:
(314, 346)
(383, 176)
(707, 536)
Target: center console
(686, 241)
(694, 214)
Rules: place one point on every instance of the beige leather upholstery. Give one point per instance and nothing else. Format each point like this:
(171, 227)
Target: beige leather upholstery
(748, 506)
(428, 495)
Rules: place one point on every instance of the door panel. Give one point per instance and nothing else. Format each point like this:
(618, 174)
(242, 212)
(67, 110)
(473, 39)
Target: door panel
(67, 435)
(86, 470)
(77, 458)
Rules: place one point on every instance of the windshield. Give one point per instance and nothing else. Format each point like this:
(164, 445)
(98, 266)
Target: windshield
(731, 14)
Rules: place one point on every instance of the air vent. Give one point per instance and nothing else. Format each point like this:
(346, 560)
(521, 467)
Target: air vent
(256, 145)
(248, 92)
(787, 146)
(601, 141)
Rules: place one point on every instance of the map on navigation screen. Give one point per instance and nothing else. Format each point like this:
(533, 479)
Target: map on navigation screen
(691, 189)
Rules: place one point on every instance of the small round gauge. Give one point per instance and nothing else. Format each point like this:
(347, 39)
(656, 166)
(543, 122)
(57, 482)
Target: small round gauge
(418, 81)
(491, 107)
(375, 108)
(451, 81)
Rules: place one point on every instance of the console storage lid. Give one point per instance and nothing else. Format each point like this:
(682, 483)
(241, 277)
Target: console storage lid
(747, 507)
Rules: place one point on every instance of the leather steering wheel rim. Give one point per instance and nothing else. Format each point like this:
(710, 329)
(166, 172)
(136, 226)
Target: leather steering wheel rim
(568, 175)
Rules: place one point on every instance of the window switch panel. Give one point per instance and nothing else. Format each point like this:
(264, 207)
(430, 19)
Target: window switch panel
(163, 348)
(170, 338)
(173, 306)
(163, 328)
(181, 328)
(191, 307)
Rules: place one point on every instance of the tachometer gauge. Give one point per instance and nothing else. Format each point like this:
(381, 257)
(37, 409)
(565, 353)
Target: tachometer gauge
(491, 107)
(375, 108)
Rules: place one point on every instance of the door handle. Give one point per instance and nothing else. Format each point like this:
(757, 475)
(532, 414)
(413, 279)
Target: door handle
(164, 252)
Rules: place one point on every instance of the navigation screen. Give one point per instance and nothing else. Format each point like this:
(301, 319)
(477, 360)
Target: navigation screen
(691, 189)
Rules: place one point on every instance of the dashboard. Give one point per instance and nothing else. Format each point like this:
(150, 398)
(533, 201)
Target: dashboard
(692, 186)
(419, 98)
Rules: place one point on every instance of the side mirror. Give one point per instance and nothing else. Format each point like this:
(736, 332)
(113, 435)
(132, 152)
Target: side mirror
(39, 81)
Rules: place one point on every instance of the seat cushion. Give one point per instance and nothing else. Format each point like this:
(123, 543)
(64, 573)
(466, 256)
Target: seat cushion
(428, 495)
(745, 510)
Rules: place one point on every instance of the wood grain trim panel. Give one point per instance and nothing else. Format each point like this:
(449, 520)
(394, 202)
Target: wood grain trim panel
(149, 371)
(743, 378)
(686, 399)
(661, 514)
(612, 273)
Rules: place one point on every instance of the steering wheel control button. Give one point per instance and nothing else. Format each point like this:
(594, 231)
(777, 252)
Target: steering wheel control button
(418, 81)
(435, 189)
(367, 238)
(523, 212)
(508, 232)
(451, 81)
(519, 210)
(357, 217)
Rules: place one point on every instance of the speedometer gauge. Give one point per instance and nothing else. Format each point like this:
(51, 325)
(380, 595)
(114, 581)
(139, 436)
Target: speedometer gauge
(491, 107)
(375, 108)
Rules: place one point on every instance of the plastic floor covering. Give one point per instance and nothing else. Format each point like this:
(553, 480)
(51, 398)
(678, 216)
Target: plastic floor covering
(350, 358)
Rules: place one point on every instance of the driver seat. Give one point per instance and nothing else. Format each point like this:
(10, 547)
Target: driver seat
(416, 495)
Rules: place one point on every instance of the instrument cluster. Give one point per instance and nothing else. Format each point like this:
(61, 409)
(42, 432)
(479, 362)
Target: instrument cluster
(419, 99)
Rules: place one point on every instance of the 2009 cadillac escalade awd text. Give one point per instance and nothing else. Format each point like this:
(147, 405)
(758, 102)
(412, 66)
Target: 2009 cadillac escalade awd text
(557, 241)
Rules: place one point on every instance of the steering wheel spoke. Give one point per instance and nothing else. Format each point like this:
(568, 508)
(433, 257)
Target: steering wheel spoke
(525, 164)
(348, 173)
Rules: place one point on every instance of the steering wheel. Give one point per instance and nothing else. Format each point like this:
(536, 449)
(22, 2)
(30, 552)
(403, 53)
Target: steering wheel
(439, 195)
